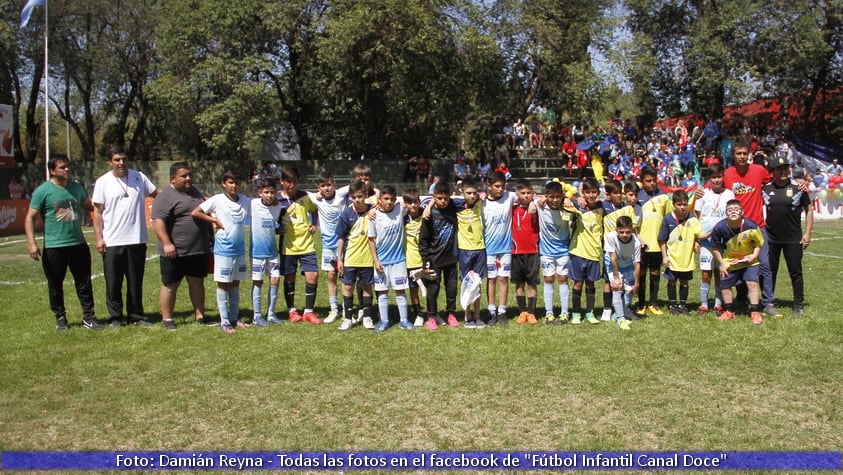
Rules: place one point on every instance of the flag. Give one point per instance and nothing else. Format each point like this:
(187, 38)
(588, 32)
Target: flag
(26, 13)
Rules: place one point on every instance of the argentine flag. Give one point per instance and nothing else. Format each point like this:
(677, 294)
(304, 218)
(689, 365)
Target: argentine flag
(26, 13)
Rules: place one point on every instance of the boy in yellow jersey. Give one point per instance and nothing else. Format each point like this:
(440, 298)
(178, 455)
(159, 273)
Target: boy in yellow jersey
(679, 243)
(655, 204)
(354, 259)
(299, 222)
(470, 244)
(630, 196)
(412, 227)
(614, 206)
(586, 251)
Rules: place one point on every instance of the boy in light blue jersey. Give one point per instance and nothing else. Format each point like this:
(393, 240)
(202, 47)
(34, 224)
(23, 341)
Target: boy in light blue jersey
(331, 203)
(554, 239)
(624, 250)
(497, 234)
(265, 211)
(386, 243)
(228, 211)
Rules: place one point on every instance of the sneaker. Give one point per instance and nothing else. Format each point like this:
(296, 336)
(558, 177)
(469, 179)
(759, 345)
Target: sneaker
(478, 323)
(607, 315)
(332, 316)
(623, 324)
(576, 318)
(502, 318)
(61, 324)
(274, 319)
(294, 316)
(168, 324)
(92, 324)
(756, 318)
(141, 323)
(628, 314)
(772, 311)
(452, 321)
(311, 318)
(590, 318)
(726, 315)
(259, 321)
(440, 321)
(226, 328)
(115, 323)
(702, 310)
(493, 319)
(419, 322)
(430, 324)
(368, 324)
(522, 318)
(406, 325)
(242, 324)
(562, 318)
(531, 319)
(798, 311)
(641, 311)
(655, 310)
(382, 326)
(345, 324)
(470, 324)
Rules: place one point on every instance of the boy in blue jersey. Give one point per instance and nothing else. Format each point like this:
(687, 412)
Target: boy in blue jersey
(386, 243)
(265, 211)
(586, 252)
(554, 240)
(624, 251)
(228, 211)
(497, 234)
(331, 204)
(354, 258)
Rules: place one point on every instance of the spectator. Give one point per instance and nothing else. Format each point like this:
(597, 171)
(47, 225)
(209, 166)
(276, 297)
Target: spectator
(835, 168)
(15, 188)
(423, 168)
(411, 171)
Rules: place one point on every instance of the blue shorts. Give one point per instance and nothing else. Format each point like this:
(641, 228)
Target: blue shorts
(351, 275)
(747, 274)
(583, 270)
(289, 264)
(474, 260)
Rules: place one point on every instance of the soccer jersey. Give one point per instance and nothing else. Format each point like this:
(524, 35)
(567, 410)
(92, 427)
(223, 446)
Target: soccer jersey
(329, 217)
(497, 223)
(653, 210)
(628, 253)
(747, 189)
(354, 229)
(61, 210)
(412, 229)
(295, 219)
(784, 212)
(554, 231)
(388, 231)
(611, 213)
(264, 221)
(437, 239)
(123, 207)
(469, 225)
(231, 240)
(525, 231)
(712, 207)
(680, 237)
(735, 244)
(587, 240)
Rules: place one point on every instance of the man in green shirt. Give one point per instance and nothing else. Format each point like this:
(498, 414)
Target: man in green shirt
(59, 203)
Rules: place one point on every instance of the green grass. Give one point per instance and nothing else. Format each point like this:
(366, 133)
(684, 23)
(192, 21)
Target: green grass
(672, 383)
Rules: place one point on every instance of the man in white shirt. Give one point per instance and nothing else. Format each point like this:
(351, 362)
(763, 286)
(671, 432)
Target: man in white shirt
(121, 235)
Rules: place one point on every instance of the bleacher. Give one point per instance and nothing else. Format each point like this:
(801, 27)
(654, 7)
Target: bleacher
(541, 165)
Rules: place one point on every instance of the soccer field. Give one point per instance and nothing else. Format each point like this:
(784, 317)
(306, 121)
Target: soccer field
(671, 383)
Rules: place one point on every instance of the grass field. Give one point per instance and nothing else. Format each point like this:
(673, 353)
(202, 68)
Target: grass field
(672, 383)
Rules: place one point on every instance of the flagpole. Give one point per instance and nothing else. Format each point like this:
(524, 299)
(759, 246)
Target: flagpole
(46, 90)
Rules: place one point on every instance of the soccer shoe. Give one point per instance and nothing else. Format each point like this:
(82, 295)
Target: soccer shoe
(274, 319)
(92, 323)
(655, 310)
(470, 324)
(382, 326)
(562, 318)
(756, 318)
(430, 324)
(798, 311)
(311, 318)
(623, 324)
(368, 324)
(522, 318)
(493, 319)
(590, 318)
(531, 319)
(726, 315)
(294, 316)
(478, 323)
(718, 309)
(345, 324)
(772, 311)
(576, 318)
(406, 325)
(332, 316)
(259, 321)
(702, 310)
(607, 315)
(550, 318)
(682, 309)
(226, 328)
(61, 324)
(641, 312)
(440, 321)
(452, 321)
(502, 319)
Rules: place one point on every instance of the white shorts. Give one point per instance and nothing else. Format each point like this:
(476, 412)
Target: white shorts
(707, 260)
(554, 266)
(498, 265)
(627, 275)
(270, 266)
(394, 276)
(229, 269)
(329, 260)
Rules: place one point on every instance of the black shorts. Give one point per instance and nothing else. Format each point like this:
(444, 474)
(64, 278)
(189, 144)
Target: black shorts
(174, 270)
(525, 269)
(678, 275)
(651, 260)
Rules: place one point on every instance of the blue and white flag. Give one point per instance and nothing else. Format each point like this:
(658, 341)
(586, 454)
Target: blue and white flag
(26, 13)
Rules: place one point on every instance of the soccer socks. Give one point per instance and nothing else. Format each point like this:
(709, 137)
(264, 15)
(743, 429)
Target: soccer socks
(531, 305)
(234, 303)
(704, 289)
(256, 301)
(671, 291)
(590, 295)
(383, 306)
(618, 303)
(683, 294)
(654, 289)
(222, 305)
(401, 302)
(290, 294)
(521, 301)
(564, 296)
(348, 303)
(366, 303)
(309, 297)
(548, 297)
(273, 299)
(332, 300)
(576, 301)
(608, 300)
